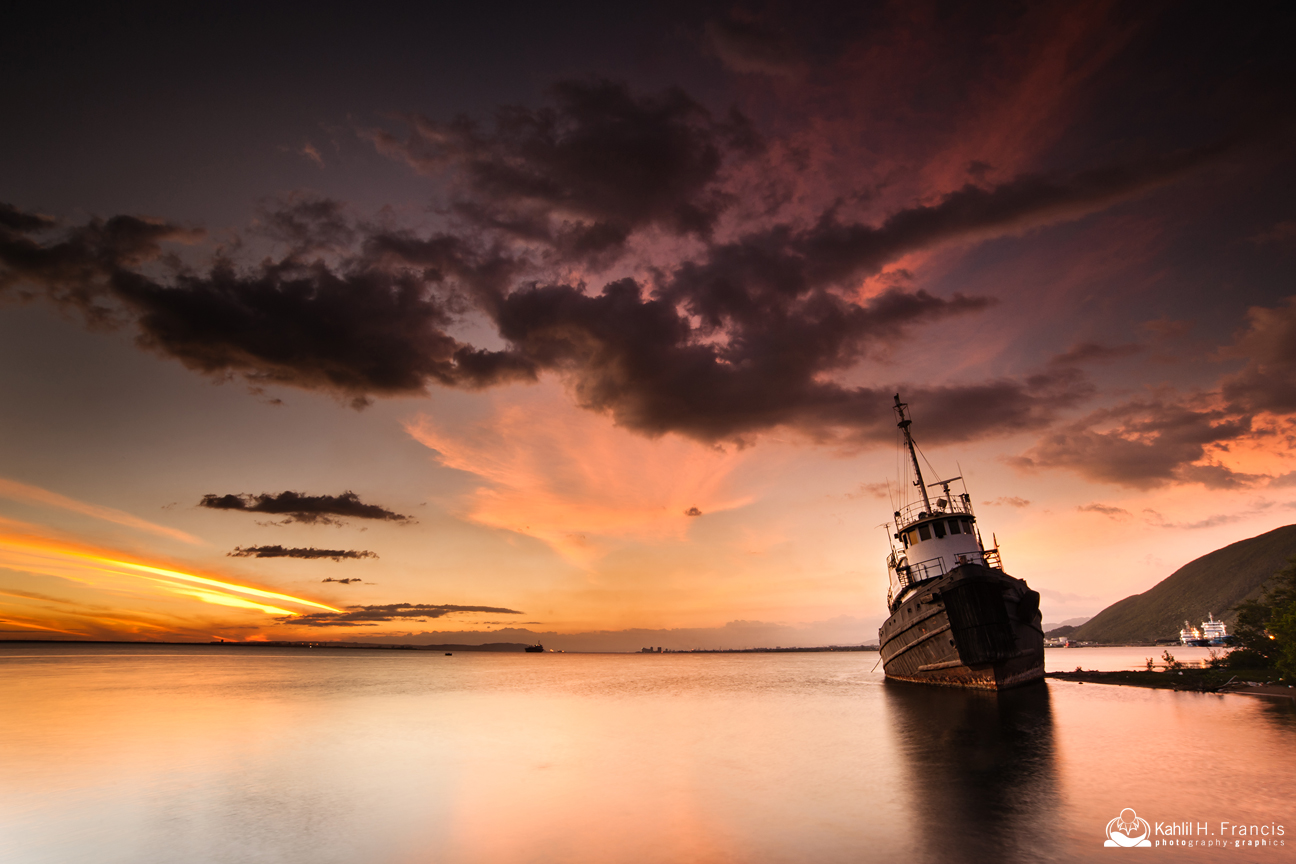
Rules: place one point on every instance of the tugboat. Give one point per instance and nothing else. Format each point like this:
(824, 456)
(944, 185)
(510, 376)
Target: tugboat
(957, 619)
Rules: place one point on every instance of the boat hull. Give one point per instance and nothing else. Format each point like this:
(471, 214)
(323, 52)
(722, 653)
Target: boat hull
(974, 627)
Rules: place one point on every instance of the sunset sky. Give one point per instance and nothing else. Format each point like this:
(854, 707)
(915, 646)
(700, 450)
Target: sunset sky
(569, 322)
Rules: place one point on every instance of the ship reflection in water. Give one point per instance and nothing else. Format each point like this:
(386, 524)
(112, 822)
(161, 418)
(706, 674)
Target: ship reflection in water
(982, 767)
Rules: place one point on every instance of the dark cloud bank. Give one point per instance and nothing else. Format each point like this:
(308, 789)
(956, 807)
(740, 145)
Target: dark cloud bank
(309, 552)
(368, 616)
(310, 509)
(743, 335)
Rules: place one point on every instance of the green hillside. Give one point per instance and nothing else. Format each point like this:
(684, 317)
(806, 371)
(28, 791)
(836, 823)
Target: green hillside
(1215, 582)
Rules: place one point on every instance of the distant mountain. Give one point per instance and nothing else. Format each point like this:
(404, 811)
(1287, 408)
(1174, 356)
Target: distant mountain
(1213, 583)
(1070, 622)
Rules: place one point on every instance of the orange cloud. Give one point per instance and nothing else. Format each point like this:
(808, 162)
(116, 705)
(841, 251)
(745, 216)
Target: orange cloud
(572, 479)
(118, 573)
(28, 625)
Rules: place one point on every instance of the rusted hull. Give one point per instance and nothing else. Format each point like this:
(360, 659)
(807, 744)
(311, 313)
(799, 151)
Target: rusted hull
(974, 627)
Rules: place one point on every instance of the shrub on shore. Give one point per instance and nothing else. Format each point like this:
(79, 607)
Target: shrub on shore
(1265, 635)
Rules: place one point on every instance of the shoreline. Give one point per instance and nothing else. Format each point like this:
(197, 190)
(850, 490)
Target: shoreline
(1187, 681)
(487, 647)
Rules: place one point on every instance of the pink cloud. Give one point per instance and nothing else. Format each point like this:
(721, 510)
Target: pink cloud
(573, 480)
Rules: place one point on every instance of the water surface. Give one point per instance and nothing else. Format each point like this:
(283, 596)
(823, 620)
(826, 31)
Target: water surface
(210, 754)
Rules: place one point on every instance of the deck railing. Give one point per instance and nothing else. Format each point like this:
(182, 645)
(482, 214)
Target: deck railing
(911, 573)
(940, 507)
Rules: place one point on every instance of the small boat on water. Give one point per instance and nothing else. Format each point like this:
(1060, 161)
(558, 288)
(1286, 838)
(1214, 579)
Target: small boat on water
(1191, 636)
(535, 649)
(957, 619)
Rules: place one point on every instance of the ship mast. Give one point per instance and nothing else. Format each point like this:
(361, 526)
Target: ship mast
(913, 454)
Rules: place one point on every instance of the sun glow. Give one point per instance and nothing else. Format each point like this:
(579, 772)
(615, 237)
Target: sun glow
(66, 560)
(228, 600)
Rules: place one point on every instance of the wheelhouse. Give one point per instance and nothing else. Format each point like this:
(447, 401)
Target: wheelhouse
(934, 537)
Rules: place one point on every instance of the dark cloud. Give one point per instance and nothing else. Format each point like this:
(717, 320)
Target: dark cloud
(768, 319)
(1091, 352)
(746, 44)
(1148, 443)
(372, 323)
(1155, 518)
(1009, 501)
(361, 334)
(1268, 381)
(307, 223)
(833, 252)
(351, 581)
(75, 269)
(308, 552)
(585, 172)
(730, 345)
(369, 616)
(756, 330)
(15, 220)
(643, 361)
(1106, 510)
(1144, 445)
(726, 347)
(871, 490)
(1281, 234)
(326, 509)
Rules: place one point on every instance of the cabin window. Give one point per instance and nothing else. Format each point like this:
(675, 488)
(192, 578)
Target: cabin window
(923, 532)
(967, 526)
(954, 526)
(939, 528)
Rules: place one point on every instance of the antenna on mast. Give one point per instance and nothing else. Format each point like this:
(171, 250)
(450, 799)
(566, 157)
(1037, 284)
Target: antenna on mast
(903, 423)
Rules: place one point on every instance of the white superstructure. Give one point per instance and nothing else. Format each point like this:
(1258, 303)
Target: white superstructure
(935, 536)
(1214, 632)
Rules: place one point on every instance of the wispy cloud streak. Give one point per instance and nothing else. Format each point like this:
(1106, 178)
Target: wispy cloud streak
(33, 553)
(16, 491)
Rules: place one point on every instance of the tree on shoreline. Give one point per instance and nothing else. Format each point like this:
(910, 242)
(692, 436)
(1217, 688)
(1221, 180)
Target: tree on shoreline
(1266, 627)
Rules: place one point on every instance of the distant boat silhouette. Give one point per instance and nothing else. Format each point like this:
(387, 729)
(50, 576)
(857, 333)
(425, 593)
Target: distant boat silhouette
(535, 649)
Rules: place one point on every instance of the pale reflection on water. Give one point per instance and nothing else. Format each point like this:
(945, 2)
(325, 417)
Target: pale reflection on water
(209, 754)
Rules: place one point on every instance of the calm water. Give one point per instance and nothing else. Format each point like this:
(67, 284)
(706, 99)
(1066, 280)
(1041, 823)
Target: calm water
(203, 754)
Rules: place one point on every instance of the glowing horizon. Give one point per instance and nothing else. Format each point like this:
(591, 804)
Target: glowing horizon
(106, 569)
